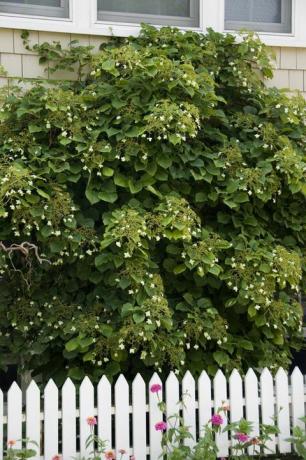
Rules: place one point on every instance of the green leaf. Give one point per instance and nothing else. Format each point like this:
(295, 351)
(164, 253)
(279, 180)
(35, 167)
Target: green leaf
(139, 317)
(73, 344)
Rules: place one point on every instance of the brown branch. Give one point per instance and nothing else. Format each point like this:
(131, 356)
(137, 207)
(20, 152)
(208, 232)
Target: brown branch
(24, 248)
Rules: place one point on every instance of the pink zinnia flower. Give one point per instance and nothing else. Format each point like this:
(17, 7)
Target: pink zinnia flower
(161, 426)
(155, 388)
(56, 457)
(216, 420)
(11, 442)
(110, 455)
(242, 437)
(91, 421)
(132, 457)
(122, 451)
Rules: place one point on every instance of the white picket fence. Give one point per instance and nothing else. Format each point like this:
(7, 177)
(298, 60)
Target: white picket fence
(56, 419)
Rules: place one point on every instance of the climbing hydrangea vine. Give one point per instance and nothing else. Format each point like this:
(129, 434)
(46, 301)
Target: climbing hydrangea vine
(165, 191)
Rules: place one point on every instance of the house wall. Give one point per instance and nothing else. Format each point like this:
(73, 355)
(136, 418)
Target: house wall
(19, 63)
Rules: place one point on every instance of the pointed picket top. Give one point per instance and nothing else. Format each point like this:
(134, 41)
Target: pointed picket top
(236, 396)
(68, 420)
(68, 385)
(172, 388)
(267, 405)
(51, 420)
(122, 423)
(1, 425)
(104, 396)
(33, 416)
(205, 406)
(139, 418)
(14, 414)
(86, 410)
(283, 413)
(298, 408)
(155, 416)
(189, 407)
(86, 383)
(51, 387)
(33, 387)
(250, 374)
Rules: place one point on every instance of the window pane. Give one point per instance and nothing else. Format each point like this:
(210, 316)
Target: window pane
(49, 8)
(258, 11)
(160, 7)
(35, 2)
(260, 15)
(159, 12)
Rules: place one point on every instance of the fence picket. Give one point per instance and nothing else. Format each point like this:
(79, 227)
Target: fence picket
(105, 411)
(252, 403)
(33, 416)
(14, 414)
(235, 398)
(220, 396)
(68, 420)
(282, 406)
(155, 416)
(267, 405)
(298, 408)
(122, 421)
(189, 407)
(139, 418)
(172, 398)
(204, 395)
(50, 420)
(86, 410)
(1, 425)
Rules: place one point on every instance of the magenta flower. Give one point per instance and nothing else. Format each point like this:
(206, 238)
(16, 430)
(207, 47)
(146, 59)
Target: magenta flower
(161, 426)
(242, 437)
(216, 420)
(155, 388)
(91, 421)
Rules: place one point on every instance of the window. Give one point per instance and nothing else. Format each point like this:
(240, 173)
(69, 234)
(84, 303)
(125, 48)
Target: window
(50, 8)
(159, 12)
(260, 15)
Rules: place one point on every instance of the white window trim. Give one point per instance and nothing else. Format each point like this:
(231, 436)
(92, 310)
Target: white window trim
(83, 20)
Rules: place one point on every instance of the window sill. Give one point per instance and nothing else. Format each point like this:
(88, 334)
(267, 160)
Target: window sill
(83, 20)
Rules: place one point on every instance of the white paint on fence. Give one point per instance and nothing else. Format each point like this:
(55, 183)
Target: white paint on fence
(220, 397)
(122, 422)
(298, 408)
(282, 408)
(69, 419)
(51, 420)
(87, 404)
(267, 404)
(105, 412)
(262, 402)
(205, 400)
(33, 428)
(14, 412)
(252, 403)
(155, 416)
(139, 418)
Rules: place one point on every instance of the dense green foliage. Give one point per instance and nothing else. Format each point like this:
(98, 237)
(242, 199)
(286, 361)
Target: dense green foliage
(167, 190)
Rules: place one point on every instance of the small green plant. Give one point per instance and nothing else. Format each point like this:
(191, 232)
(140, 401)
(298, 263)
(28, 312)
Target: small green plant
(298, 439)
(21, 453)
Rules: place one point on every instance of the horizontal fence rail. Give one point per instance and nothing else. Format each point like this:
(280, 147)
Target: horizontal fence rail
(56, 419)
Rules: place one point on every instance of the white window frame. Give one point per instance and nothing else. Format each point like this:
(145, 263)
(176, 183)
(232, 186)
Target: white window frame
(36, 10)
(83, 19)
